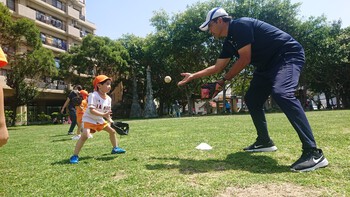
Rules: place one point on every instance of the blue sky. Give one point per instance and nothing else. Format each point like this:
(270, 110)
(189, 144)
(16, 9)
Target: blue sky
(116, 17)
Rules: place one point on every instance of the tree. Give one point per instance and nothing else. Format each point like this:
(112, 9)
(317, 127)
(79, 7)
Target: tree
(96, 55)
(327, 52)
(338, 64)
(344, 41)
(179, 46)
(311, 34)
(183, 47)
(29, 61)
(134, 45)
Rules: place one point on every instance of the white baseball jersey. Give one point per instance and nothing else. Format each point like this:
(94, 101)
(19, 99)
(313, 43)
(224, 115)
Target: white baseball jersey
(96, 102)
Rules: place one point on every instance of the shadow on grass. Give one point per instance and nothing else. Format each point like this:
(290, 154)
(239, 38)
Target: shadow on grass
(60, 135)
(66, 161)
(106, 157)
(61, 140)
(254, 163)
(13, 128)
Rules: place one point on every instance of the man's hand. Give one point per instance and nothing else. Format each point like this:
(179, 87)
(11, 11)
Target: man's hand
(187, 78)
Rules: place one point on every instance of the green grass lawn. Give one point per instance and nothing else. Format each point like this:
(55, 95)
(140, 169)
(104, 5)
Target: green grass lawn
(161, 159)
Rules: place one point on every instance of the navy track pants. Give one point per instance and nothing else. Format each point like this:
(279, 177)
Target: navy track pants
(280, 82)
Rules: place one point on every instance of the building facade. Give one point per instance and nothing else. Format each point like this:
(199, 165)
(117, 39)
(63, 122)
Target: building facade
(62, 24)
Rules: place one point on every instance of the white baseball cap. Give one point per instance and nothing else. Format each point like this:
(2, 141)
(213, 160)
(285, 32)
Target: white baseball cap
(212, 14)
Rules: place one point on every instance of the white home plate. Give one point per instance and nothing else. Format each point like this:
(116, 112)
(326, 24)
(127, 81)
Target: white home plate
(204, 146)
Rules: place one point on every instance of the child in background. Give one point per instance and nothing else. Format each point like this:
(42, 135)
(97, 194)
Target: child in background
(80, 112)
(97, 116)
(4, 135)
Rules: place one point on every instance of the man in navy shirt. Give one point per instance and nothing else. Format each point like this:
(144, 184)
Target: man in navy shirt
(278, 60)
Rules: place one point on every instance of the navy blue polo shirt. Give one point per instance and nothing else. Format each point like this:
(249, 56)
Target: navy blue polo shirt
(267, 41)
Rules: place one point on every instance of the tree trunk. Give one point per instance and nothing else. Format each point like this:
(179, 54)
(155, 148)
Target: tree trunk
(328, 97)
(150, 107)
(345, 101)
(338, 101)
(14, 115)
(190, 104)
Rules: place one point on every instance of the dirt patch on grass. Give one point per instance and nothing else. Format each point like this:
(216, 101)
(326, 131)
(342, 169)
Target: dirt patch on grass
(272, 190)
(119, 175)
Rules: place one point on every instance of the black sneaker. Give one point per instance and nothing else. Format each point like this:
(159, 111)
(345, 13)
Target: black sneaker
(310, 160)
(261, 147)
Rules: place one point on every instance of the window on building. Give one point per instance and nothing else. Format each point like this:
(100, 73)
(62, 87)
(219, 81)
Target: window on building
(58, 4)
(53, 41)
(56, 22)
(11, 4)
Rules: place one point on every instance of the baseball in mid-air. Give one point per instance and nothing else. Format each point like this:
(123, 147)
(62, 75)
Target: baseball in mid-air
(167, 79)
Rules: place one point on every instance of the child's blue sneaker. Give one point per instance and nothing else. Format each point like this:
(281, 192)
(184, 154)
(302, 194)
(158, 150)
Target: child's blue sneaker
(117, 150)
(74, 159)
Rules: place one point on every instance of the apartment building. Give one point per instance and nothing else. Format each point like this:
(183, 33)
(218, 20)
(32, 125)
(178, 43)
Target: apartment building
(62, 24)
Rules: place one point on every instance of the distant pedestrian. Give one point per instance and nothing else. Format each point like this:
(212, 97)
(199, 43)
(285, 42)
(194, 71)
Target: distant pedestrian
(71, 108)
(228, 107)
(176, 107)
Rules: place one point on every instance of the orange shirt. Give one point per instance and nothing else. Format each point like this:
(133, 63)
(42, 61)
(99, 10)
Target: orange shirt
(81, 110)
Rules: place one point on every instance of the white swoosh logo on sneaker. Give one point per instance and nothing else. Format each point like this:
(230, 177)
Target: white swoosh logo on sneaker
(317, 160)
(257, 146)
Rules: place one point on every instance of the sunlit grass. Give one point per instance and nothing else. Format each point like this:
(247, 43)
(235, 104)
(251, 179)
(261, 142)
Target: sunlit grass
(161, 158)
